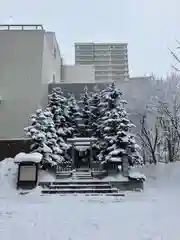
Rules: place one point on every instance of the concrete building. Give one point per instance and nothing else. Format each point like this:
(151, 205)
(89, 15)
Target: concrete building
(29, 60)
(77, 74)
(110, 60)
(31, 64)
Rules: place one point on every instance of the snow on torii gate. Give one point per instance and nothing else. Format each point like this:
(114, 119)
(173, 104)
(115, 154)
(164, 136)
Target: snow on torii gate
(81, 142)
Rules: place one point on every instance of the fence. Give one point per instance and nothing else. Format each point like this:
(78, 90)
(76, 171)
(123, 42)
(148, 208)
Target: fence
(21, 27)
(63, 168)
(11, 147)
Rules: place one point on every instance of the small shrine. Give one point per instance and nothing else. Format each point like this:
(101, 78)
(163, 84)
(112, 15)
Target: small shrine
(81, 152)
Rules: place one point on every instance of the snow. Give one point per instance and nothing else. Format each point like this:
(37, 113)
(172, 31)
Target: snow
(115, 159)
(28, 157)
(137, 175)
(152, 214)
(8, 177)
(45, 176)
(81, 148)
(81, 139)
(116, 177)
(116, 151)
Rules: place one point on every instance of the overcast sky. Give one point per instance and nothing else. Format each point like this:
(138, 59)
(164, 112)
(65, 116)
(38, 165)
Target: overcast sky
(149, 26)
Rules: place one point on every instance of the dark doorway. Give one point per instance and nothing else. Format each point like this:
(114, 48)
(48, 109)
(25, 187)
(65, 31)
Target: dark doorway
(82, 159)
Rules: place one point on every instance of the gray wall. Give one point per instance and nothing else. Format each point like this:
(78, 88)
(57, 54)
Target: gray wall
(25, 69)
(78, 74)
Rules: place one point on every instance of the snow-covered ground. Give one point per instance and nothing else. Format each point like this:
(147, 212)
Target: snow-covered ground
(149, 215)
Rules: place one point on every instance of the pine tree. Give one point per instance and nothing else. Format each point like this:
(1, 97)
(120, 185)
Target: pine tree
(115, 139)
(58, 154)
(59, 108)
(45, 139)
(86, 114)
(95, 114)
(37, 132)
(74, 115)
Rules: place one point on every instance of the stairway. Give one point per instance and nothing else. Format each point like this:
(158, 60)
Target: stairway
(82, 174)
(86, 187)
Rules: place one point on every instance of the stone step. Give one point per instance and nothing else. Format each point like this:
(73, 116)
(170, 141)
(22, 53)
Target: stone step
(82, 173)
(75, 182)
(78, 186)
(82, 170)
(91, 194)
(82, 177)
(82, 191)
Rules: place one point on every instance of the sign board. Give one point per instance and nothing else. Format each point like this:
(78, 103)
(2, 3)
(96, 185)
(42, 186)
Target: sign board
(27, 173)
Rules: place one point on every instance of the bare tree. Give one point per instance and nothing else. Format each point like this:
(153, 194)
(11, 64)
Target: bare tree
(169, 121)
(149, 140)
(176, 57)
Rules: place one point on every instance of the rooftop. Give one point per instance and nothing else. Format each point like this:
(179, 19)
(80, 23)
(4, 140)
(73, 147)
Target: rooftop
(21, 27)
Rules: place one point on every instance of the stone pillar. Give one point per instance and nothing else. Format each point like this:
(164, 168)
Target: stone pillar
(91, 155)
(125, 166)
(73, 156)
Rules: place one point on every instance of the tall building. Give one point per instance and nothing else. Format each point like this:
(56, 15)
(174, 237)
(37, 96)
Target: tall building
(110, 60)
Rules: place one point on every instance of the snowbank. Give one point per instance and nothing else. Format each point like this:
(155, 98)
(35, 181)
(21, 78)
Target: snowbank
(45, 176)
(134, 173)
(28, 157)
(8, 176)
(116, 177)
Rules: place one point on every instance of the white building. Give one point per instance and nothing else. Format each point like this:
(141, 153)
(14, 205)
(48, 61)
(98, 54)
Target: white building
(29, 60)
(109, 59)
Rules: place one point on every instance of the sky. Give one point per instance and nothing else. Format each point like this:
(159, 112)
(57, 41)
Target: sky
(150, 27)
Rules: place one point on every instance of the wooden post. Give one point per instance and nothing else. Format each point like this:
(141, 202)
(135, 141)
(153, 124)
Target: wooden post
(91, 156)
(73, 156)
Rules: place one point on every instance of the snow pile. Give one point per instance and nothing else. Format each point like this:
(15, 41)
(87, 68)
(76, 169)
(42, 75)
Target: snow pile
(45, 176)
(8, 176)
(28, 157)
(134, 173)
(116, 177)
(147, 215)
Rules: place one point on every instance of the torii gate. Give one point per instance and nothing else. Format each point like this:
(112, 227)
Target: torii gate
(81, 142)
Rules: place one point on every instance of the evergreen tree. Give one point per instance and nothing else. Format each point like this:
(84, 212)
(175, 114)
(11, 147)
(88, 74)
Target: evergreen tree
(115, 139)
(59, 108)
(95, 114)
(86, 114)
(37, 132)
(45, 140)
(74, 115)
(58, 154)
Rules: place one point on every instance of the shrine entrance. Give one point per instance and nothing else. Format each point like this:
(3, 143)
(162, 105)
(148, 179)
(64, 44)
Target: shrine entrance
(81, 152)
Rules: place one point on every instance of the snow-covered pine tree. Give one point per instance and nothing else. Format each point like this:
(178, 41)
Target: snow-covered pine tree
(45, 140)
(74, 115)
(95, 113)
(85, 126)
(58, 106)
(58, 154)
(116, 139)
(37, 132)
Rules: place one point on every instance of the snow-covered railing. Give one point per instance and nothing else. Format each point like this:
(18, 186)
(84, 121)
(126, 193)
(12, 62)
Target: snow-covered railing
(62, 168)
